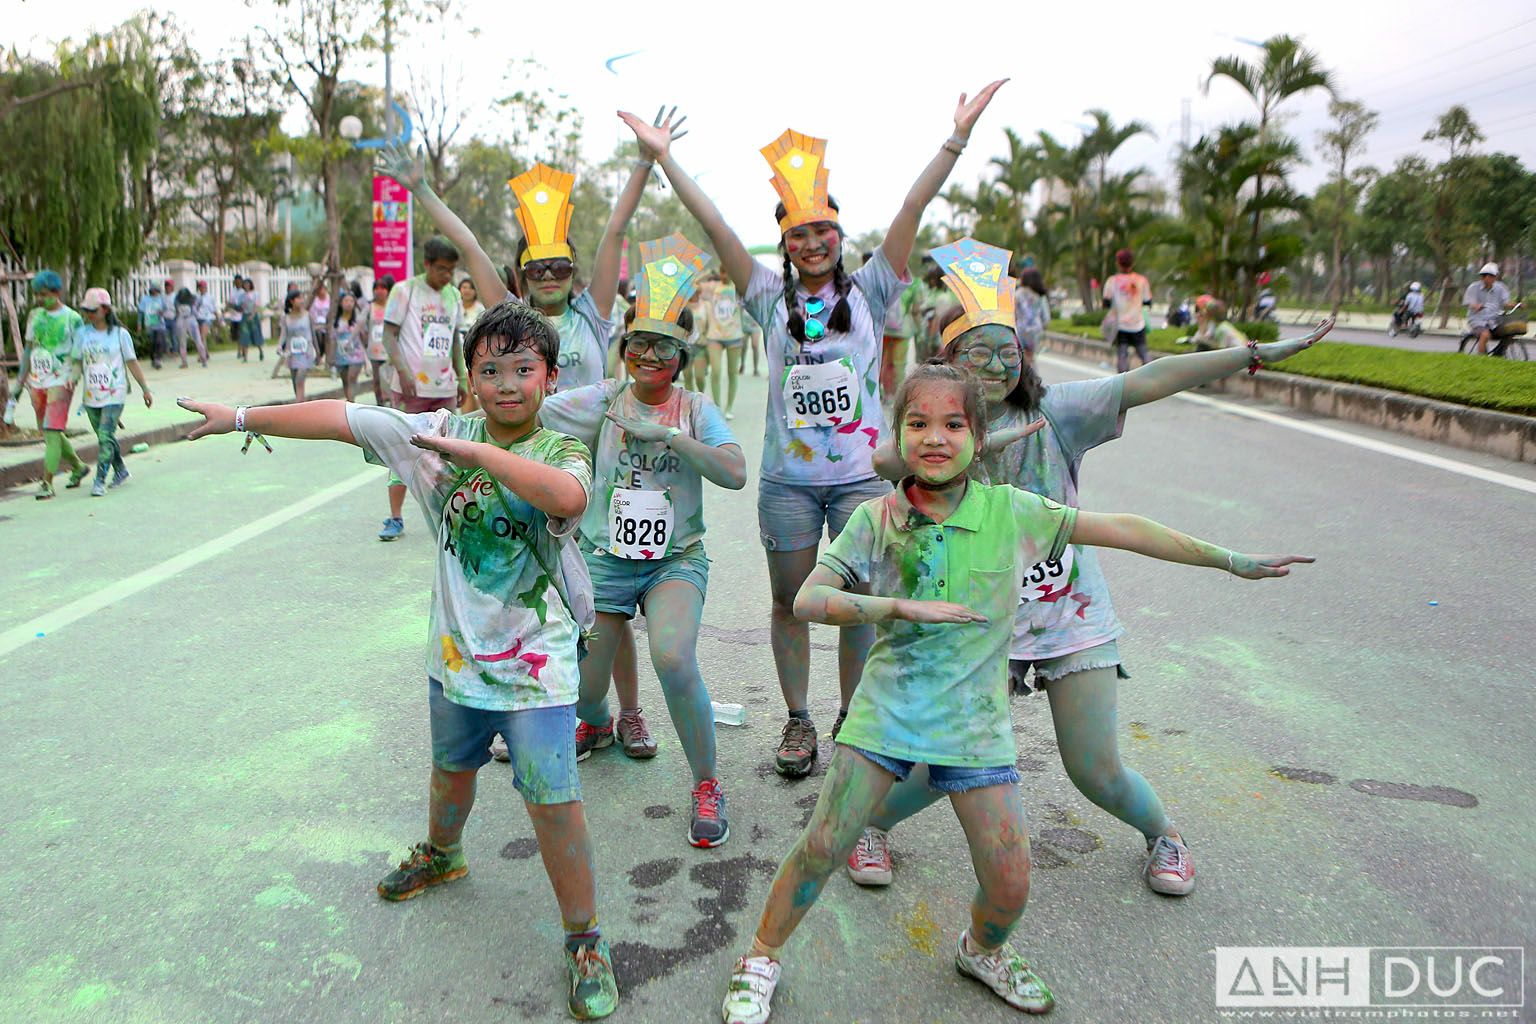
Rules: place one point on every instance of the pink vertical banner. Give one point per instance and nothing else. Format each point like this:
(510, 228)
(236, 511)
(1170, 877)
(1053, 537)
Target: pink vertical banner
(391, 228)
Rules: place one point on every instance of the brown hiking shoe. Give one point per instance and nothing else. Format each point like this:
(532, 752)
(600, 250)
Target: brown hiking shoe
(423, 867)
(635, 734)
(796, 755)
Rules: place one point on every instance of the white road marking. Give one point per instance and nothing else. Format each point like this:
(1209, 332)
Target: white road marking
(1331, 434)
(48, 622)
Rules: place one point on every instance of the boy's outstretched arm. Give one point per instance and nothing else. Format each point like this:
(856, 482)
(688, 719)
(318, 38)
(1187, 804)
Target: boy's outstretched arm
(1145, 537)
(547, 488)
(320, 420)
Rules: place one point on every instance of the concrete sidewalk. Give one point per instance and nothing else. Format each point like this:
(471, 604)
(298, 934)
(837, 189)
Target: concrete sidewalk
(224, 379)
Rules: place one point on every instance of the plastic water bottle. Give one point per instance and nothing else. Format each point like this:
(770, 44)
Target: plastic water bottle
(729, 714)
(140, 448)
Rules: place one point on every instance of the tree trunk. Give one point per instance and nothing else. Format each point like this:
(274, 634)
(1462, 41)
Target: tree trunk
(332, 219)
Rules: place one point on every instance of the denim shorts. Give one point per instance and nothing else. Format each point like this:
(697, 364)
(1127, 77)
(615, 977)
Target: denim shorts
(619, 585)
(542, 742)
(943, 778)
(790, 516)
(1048, 670)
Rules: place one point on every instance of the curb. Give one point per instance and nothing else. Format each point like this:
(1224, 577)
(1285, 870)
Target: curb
(1462, 426)
(31, 471)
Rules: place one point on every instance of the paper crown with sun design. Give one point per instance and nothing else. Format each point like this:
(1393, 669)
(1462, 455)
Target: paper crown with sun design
(544, 212)
(670, 269)
(799, 165)
(978, 275)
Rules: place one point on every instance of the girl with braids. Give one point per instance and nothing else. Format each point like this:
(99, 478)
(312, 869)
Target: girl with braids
(1065, 629)
(823, 326)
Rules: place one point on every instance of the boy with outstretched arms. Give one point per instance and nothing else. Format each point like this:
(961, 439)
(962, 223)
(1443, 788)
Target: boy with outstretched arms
(505, 496)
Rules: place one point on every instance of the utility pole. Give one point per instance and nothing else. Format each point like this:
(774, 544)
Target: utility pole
(389, 85)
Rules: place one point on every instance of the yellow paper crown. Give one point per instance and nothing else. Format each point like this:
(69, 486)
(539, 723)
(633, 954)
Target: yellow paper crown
(670, 269)
(544, 211)
(800, 178)
(978, 275)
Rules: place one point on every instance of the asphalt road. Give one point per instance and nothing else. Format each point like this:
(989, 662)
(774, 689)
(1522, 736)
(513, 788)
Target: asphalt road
(209, 770)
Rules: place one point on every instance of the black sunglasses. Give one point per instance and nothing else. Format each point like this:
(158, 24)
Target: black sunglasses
(549, 270)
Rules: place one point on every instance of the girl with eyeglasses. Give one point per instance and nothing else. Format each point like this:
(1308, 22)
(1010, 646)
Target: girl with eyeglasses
(1065, 630)
(823, 327)
(653, 445)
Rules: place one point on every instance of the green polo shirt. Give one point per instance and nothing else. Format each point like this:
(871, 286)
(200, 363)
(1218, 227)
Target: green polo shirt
(937, 693)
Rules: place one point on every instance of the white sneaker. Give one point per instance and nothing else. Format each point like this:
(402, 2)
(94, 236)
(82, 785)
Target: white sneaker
(1007, 975)
(870, 861)
(749, 998)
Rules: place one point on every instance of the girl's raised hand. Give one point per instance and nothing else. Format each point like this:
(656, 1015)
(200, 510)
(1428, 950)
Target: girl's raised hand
(966, 112)
(1263, 567)
(1274, 351)
(399, 163)
(217, 419)
(935, 611)
(655, 139)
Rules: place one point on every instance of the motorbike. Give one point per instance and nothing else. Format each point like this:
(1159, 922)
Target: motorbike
(1405, 322)
(1506, 336)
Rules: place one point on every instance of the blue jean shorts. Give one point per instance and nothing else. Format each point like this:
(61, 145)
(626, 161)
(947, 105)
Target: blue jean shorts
(943, 778)
(1048, 670)
(619, 585)
(542, 742)
(790, 517)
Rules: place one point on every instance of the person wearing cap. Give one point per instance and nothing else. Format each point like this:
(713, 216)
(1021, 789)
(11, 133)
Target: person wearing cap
(44, 368)
(153, 324)
(102, 355)
(1486, 300)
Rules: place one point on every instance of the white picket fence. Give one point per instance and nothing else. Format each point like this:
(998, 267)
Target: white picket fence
(272, 284)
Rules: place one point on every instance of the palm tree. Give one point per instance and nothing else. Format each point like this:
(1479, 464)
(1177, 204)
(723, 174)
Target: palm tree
(1067, 168)
(1286, 69)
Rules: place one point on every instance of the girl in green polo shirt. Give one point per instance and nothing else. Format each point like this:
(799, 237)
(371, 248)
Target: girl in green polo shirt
(943, 557)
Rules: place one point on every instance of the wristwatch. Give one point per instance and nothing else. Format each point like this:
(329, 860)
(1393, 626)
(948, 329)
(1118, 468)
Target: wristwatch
(672, 433)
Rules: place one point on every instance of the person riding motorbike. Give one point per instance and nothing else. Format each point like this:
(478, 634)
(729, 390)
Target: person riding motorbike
(1486, 300)
(1408, 311)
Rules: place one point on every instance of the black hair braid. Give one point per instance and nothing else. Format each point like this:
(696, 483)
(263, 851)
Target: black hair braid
(841, 320)
(791, 303)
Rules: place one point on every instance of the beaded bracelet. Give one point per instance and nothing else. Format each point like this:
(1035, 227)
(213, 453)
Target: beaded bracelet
(1255, 364)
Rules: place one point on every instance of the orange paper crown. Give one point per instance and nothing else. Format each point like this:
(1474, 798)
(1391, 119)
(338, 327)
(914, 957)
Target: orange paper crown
(544, 211)
(670, 269)
(800, 178)
(978, 275)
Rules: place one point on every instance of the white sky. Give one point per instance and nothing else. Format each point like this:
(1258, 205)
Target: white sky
(880, 79)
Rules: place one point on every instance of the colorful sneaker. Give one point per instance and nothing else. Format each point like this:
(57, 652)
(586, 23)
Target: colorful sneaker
(870, 861)
(635, 734)
(76, 475)
(709, 827)
(99, 489)
(594, 990)
(120, 477)
(590, 738)
(45, 491)
(749, 997)
(796, 755)
(1170, 869)
(392, 528)
(424, 867)
(1007, 975)
(499, 749)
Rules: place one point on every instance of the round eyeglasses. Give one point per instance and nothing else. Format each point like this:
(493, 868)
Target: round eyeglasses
(661, 348)
(979, 357)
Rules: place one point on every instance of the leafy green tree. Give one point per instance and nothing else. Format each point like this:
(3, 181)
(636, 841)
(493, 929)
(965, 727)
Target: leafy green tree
(1285, 69)
(78, 132)
(1392, 223)
(1451, 231)
(1352, 122)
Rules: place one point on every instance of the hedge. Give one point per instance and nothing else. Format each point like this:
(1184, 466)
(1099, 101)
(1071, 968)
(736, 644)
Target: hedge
(1501, 384)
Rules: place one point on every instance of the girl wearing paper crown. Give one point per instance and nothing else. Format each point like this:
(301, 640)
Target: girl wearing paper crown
(1065, 628)
(824, 328)
(653, 445)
